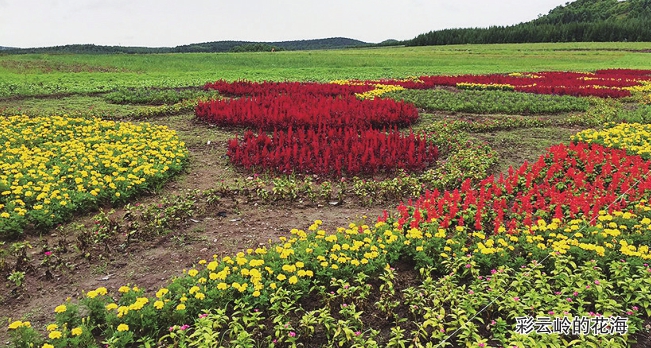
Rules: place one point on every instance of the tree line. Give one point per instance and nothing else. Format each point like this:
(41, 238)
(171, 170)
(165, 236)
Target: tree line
(579, 21)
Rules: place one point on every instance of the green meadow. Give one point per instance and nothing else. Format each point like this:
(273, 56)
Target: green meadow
(52, 74)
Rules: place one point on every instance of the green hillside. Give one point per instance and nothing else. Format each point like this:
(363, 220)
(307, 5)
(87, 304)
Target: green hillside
(579, 21)
(206, 47)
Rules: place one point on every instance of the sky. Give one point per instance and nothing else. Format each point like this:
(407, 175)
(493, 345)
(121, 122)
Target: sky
(169, 23)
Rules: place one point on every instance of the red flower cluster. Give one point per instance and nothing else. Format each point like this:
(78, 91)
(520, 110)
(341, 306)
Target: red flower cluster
(333, 150)
(282, 111)
(603, 83)
(569, 181)
(242, 88)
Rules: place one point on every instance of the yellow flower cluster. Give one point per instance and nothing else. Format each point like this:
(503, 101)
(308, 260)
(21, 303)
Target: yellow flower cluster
(609, 234)
(99, 291)
(643, 87)
(18, 324)
(634, 137)
(525, 75)
(378, 90)
(52, 166)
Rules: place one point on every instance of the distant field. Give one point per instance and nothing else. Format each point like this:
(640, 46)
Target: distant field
(52, 74)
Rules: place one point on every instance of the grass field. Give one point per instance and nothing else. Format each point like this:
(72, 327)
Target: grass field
(48, 74)
(213, 210)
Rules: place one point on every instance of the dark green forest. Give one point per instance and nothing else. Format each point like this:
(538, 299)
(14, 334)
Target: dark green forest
(578, 21)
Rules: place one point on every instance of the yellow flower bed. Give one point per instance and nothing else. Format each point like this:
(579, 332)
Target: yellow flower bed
(634, 137)
(644, 87)
(379, 90)
(53, 166)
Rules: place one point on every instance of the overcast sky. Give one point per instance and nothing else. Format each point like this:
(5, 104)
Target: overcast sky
(158, 23)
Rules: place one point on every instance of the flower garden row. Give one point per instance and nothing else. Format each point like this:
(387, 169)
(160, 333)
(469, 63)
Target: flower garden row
(330, 150)
(610, 83)
(578, 203)
(52, 167)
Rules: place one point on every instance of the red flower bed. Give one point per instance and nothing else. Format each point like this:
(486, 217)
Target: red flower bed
(568, 181)
(329, 150)
(271, 111)
(242, 88)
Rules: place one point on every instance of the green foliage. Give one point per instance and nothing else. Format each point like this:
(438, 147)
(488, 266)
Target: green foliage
(602, 111)
(17, 278)
(640, 114)
(152, 96)
(482, 102)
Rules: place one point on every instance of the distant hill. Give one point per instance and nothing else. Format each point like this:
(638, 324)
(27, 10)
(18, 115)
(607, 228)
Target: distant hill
(581, 20)
(5, 48)
(209, 47)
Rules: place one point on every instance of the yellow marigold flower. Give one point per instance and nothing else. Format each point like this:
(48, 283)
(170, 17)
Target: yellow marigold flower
(76, 331)
(162, 292)
(60, 309)
(159, 304)
(256, 293)
(212, 265)
(180, 307)
(122, 311)
(54, 335)
(111, 306)
(281, 277)
(47, 345)
(102, 290)
(124, 289)
(293, 279)
(193, 272)
(16, 324)
(200, 296)
(123, 327)
(92, 294)
(222, 286)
